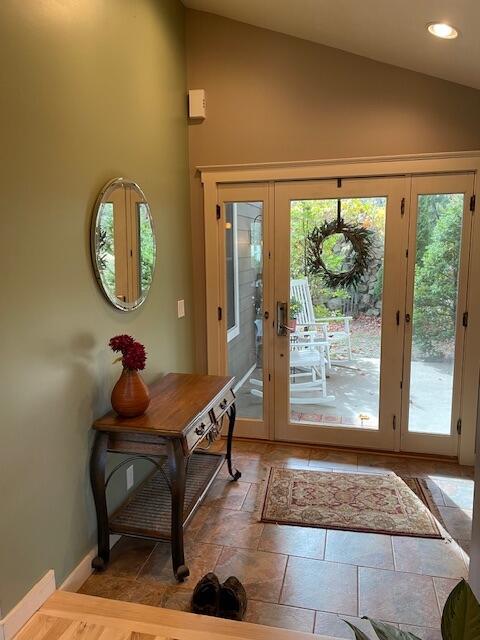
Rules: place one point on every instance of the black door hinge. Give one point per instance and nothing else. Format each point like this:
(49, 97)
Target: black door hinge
(394, 423)
(402, 207)
(465, 319)
(397, 317)
(219, 313)
(459, 426)
(269, 377)
(473, 201)
(219, 212)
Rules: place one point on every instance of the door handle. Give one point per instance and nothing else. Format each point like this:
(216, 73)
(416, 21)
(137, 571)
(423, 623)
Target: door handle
(286, 329)
(282, 313)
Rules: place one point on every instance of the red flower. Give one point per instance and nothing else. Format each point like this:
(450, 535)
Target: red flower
(133, 353)
(121, 343)
(135, 357)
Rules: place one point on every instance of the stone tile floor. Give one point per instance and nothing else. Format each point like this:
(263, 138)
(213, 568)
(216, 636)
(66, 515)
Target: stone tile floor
(302, 578)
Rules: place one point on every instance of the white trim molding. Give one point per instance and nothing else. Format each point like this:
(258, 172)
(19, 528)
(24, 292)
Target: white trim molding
(83, 570)
(15, 619)
(343, 167)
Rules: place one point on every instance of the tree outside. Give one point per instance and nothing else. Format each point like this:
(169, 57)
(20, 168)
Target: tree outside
(105, 244)
(439, 230)
(147, 247)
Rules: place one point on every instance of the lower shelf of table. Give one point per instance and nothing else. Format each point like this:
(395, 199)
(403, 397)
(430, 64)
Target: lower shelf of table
(148, 512)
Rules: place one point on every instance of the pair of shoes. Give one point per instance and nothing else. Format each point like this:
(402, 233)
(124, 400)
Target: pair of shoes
(228, 600)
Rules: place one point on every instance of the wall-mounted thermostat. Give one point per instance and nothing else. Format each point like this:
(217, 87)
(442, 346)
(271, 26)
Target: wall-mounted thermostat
(197, 105)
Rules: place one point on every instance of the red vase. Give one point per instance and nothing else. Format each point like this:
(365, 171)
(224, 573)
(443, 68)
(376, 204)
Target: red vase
(130, 395)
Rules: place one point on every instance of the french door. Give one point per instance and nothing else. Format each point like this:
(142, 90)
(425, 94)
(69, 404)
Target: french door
(245, 287)
(373, 359)
(338, 367)
(440, 229)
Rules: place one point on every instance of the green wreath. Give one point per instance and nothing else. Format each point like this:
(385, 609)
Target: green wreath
(361, 240)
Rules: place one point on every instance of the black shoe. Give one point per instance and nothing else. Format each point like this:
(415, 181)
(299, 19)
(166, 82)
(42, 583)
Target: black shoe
(206, 595)
(233, 599)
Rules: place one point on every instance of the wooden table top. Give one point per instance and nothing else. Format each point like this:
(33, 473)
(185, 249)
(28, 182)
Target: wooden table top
(177, 401)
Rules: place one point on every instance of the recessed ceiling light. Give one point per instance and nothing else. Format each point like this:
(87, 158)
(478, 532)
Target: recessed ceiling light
(442, 30)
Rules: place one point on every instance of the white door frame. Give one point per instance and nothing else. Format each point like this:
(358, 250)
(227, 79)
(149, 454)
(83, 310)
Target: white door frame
(460, 162)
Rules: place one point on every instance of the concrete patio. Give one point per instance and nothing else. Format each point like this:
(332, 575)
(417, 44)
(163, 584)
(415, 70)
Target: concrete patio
(355, 386)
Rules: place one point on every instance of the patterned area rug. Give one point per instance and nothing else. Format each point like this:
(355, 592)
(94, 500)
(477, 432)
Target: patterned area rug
(351, 501)
(420, 488)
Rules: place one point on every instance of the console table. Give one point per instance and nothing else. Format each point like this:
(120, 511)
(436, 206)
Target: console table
(185, 410)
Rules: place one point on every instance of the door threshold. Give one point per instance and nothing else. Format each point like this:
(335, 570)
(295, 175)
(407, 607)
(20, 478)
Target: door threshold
(396, 454)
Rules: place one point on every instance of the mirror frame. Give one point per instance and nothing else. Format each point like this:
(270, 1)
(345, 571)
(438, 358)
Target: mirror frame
(104, 192)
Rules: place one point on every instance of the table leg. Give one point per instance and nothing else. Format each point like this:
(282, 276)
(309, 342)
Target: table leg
(97, 478)
(177, 464)
(232, 412)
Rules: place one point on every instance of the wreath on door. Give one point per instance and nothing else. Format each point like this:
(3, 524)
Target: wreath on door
(361, 240)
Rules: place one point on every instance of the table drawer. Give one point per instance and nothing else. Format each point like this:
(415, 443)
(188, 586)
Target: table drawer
(139, 443)
(199, 430)
(227, 400)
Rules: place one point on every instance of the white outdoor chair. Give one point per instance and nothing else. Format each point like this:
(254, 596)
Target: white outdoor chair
(300, 291)
(307, 361)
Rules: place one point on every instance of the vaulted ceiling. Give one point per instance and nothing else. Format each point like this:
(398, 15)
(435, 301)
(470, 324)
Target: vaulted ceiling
(392, 31)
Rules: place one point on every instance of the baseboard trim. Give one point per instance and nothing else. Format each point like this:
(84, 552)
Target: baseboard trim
(83, 570)
(15, 619)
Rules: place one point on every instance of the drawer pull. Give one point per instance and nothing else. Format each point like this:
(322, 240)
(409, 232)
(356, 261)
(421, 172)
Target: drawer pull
(200, 430)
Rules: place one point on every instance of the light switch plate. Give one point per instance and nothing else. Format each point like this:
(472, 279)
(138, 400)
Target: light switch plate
(181, 308)
(129, 477)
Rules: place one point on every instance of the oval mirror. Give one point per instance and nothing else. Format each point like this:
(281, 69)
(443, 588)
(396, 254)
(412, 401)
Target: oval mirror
(123, 244)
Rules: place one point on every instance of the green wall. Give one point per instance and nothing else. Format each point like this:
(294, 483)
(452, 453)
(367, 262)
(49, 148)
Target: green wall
(90, 90)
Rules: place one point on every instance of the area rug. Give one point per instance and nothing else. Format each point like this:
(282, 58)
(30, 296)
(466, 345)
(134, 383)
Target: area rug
(420, 488)
(350, 501)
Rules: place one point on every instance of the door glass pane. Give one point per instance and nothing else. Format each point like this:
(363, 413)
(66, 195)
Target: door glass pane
(335, 342)
(437, 261)
(244, 295)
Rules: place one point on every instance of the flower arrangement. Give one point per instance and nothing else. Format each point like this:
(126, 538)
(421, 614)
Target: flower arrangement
(133, 353)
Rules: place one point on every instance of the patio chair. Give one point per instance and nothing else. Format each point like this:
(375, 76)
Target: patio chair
(307, 361)
(300, 290)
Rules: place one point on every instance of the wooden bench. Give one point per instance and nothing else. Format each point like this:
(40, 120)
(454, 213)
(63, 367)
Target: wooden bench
(72, 615)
